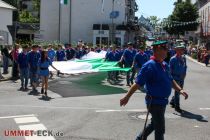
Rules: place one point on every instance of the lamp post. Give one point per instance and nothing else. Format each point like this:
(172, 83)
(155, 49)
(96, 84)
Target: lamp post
(112, 31)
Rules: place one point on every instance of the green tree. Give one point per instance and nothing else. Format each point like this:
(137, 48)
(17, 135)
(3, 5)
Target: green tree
(26, 17)
(154, 20)
(183, 18)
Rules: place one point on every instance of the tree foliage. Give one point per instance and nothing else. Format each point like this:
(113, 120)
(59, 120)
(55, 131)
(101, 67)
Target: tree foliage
(183, 12)
(21, 14)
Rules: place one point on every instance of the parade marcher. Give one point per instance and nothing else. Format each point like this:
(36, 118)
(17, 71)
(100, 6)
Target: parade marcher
(5, 57)
(23, 68)
(139, 60)
(15, 52)
(60, 54)
(33, 58)
(178, 68)
(156, 75)
(128, 57)
(111, 57)
(70, 52)
(51, 54)
(44, 63)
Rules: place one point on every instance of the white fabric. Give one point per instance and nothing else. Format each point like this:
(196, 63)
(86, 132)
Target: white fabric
(94, 55)
(72, 67)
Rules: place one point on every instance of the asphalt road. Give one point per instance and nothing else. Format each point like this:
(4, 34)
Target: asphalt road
(87, 108)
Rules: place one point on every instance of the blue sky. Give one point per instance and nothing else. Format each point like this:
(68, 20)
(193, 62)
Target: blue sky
(160, 8)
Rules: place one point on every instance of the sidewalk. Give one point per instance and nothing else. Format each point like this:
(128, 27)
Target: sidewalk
(195, 61)
(6, 76)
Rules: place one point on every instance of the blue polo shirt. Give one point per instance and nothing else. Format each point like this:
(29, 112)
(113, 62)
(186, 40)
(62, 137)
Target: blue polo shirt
(129, 56)
(111, 56)
(140, 59)
(60, 54)
(23, 60)
(149, 52)
(178, 67)
(158, 80)
(51, 54)
(33, 58)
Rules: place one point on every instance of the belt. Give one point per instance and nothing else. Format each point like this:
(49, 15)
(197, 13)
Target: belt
(155, 97)
(43, 68)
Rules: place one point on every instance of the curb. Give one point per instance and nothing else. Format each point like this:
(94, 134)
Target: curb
(195, 61)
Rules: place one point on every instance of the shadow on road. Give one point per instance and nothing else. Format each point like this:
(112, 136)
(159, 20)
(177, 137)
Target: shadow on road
(83, 85)
(197, 117)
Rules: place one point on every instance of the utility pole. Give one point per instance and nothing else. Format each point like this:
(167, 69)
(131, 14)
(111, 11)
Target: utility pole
(112, 33)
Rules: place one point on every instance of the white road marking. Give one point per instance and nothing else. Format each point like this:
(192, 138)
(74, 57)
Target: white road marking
(128, 110)
(196, 126)
(19, 116)
(26, 120)
(53, 107)
(36, 127)
(204, 108)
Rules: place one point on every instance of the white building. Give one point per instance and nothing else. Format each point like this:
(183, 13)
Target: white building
(81, 19)
(6, 11)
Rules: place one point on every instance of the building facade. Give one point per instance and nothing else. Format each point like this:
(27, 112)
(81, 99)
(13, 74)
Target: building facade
(6, 12)
(93, 21)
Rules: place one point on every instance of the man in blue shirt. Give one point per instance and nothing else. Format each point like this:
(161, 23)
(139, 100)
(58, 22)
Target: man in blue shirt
(23, 68)
(60, 54)
(51, 53)
(155, 74)
(70, 52)
(127, 58)
(178, 69)
(139, 60)
(111, 57)
(33, 58)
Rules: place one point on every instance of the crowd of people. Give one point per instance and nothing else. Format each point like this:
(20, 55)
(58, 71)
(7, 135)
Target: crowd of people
(156, 68)
(31, 62)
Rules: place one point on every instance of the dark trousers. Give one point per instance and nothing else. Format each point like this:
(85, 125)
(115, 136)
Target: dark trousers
(157, 123)
(176, 98)
(128, 74)
(15, 69)
(5, 64)
(24, 74)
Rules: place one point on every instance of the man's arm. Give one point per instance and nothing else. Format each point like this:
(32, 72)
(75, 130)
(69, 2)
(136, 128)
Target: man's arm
(179, 89)
(125, 100)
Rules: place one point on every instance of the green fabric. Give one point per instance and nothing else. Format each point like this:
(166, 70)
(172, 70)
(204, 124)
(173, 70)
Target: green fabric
(101, 65)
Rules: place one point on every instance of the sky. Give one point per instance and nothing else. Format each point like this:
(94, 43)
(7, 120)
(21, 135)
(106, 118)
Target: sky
(160, 8)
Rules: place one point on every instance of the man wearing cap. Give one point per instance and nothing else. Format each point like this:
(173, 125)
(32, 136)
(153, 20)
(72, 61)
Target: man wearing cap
(111, 57)
(23, 68)
(128, 57)
(155, 74)
(33, 58)
(178, 69)
(139, 60)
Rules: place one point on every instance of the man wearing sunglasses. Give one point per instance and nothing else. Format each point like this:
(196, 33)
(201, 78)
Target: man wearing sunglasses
(155, 74)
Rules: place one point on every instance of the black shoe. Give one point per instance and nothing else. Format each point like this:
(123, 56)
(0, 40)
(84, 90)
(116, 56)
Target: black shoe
(42, 91)
(26, 89)
(21, 89)
(172, 104)
(178, 109)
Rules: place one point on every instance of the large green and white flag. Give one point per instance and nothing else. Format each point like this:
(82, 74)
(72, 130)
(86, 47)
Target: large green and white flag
(87, 66)
(65, 2)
